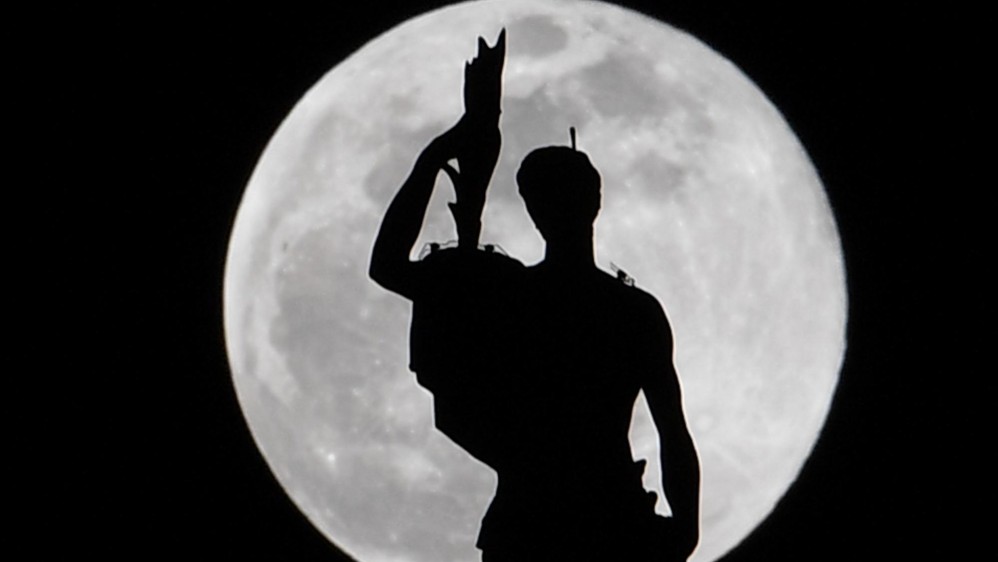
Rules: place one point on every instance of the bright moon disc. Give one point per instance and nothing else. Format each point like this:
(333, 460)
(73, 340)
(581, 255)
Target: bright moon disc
(709, 202)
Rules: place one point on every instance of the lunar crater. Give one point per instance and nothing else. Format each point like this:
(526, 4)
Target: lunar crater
(536, 37)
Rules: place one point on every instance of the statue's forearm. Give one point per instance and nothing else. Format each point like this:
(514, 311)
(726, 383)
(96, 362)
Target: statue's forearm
(402, 223)
(681, 481)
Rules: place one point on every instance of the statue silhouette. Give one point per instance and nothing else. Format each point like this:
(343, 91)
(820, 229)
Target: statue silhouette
(535, 369)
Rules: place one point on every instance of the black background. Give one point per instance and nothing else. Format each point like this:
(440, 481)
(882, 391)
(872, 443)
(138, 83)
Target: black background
(185, 100)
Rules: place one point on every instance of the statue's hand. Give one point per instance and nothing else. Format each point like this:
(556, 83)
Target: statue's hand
(445, 147)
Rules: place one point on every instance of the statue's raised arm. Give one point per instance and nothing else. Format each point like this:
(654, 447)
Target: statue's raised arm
(474, 142)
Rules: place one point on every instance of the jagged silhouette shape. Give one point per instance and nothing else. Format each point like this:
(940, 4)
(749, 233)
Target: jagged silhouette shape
(534, 370)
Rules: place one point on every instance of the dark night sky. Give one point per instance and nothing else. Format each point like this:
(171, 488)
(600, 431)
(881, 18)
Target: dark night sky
(199, 93)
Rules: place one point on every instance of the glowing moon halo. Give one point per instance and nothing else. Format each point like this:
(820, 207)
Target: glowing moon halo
(709, 202)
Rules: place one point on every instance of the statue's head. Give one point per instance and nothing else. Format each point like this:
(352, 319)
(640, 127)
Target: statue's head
(561, 189)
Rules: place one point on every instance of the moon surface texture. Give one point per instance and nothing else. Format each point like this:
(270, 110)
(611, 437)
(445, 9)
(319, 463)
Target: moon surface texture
(709, 202)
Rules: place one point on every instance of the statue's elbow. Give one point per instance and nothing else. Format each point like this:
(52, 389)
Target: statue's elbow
(388, 277)
(379, 273)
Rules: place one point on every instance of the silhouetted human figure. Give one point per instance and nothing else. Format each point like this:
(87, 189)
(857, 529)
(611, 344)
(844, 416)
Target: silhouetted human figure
(535, 370)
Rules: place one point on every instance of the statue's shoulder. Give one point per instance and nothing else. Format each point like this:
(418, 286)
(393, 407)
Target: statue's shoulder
(623, 286)
(632, 299)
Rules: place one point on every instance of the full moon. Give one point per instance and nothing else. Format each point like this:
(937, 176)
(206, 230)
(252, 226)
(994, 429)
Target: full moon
(709, 202)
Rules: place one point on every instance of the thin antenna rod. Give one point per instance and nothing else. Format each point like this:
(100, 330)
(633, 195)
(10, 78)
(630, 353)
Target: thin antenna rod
(571, 132)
